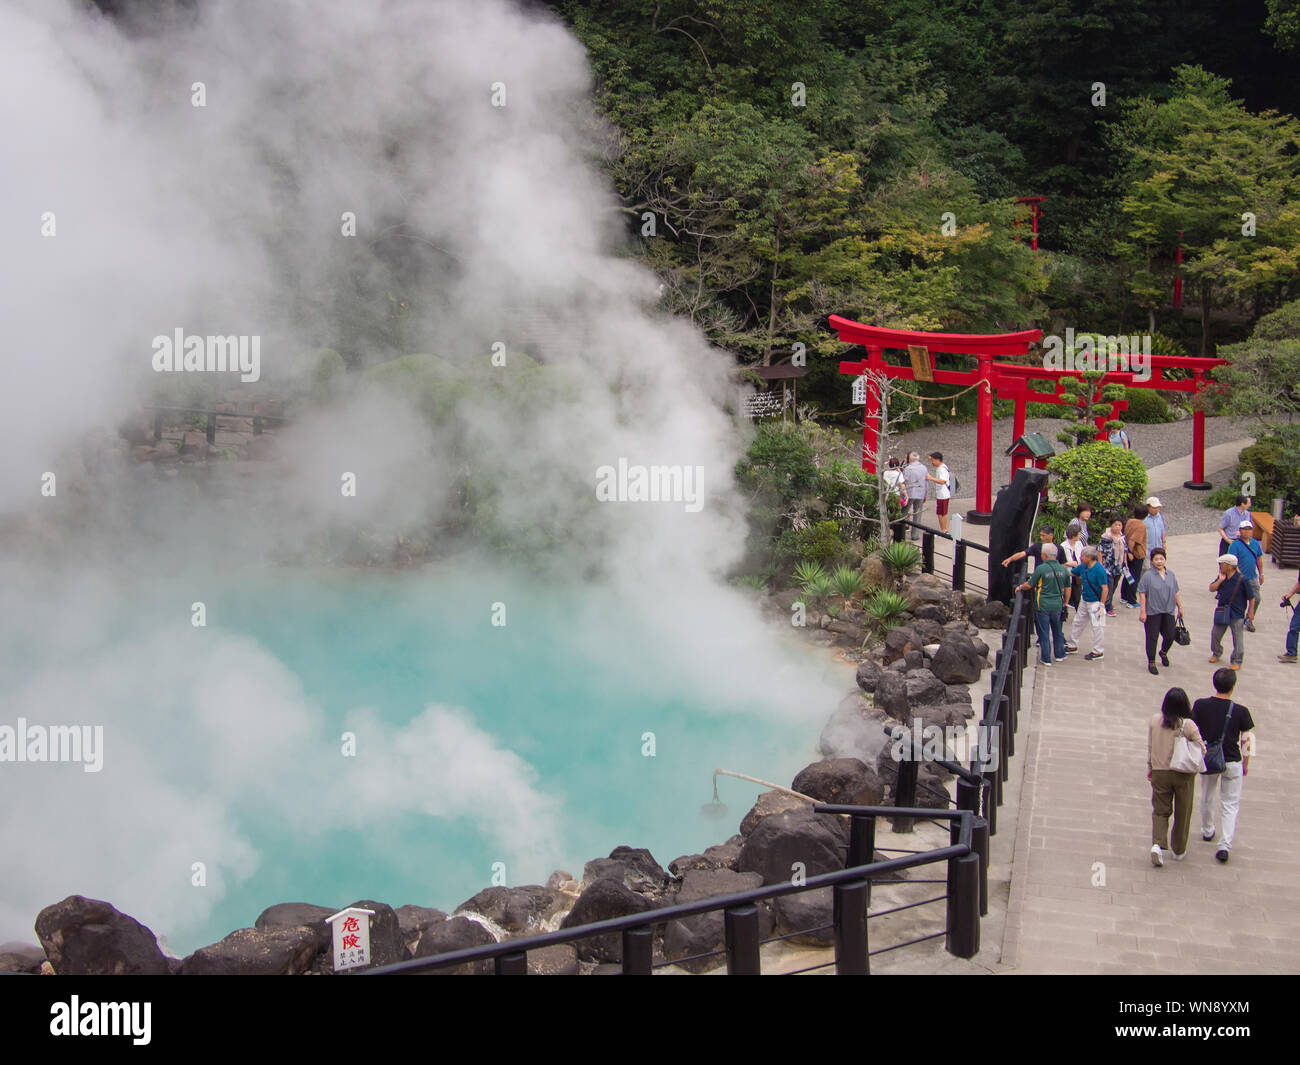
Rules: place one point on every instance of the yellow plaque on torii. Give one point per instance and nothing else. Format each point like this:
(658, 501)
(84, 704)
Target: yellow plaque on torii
(920, 356)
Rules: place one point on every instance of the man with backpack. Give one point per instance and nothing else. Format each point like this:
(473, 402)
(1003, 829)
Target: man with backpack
(1050, 583)
(1226, 728)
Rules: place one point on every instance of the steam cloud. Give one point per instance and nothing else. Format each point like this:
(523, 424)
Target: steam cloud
(475, 224)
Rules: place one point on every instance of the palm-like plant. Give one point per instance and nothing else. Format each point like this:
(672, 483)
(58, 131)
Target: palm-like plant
(848, 582)
(752, 580)
(883, 609)
(900, 558)
(821, 586)
(805, 573)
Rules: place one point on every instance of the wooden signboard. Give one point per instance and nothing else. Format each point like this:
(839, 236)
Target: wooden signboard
(920, 356)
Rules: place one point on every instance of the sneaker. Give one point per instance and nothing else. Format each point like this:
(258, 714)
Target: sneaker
(1158, 858)
(1092, 656)
(1250, 625)
(1235, 665)
(1221, 854)
(1214, 658)
(1208, 838)
(1178, 857)
(1071, 650)
(1151, 668)
(1044, 662)
(1286, 658)
(1111, 614)
(1164, 659)
(1131, 606)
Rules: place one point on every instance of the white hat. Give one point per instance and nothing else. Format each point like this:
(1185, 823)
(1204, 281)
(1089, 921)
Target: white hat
(1154, 501)
(1231, 560)
(1246, 523)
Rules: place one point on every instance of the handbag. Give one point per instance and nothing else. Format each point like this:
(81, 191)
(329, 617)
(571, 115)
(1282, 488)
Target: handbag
(1186, 758)
(1214, 760)
(1181, 636)
(1223, 612)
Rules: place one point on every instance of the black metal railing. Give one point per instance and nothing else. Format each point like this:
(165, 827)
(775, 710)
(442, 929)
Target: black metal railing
(966, 891)
(962, 565)
(212, 416)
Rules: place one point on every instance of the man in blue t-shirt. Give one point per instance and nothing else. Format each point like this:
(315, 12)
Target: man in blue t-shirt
(1249, 565)
(1233, 601)
(1096, 587)
(1218, 716)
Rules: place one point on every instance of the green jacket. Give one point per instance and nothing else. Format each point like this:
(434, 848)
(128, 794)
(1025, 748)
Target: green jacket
(1049, 585)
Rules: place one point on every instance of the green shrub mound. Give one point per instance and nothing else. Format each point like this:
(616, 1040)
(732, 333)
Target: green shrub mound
(1109, 479)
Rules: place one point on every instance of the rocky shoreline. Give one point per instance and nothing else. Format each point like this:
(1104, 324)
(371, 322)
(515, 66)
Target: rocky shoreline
(921, 671)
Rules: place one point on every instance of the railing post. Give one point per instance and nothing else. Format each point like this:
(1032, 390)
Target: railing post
(851, 955)
(1004, 753)
(959, 566)
(157, 424)
(638, 944)
(927, 552)
(963, 938)
(740, 925)
(980, 841)
(993, 773)
(862, 840)
(899, 530)
(968, 796)
(511, 964)
(212, 427)
(905, 792)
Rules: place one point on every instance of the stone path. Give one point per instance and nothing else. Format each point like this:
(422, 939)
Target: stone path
(1084, 896)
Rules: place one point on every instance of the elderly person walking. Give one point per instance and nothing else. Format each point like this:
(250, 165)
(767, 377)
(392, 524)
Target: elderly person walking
(1230, 613)
(1113, 554)
(1158, 599)
(1155, 523)
(1095, 590)
(914, 480)
(1135, 534)
(1071, 556)
(1172, 790)
(1050, 583)
(1249, 565)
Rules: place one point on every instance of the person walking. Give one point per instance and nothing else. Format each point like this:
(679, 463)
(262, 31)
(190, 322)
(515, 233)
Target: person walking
(1095, 589)
(1249, 564)
(1155, 523)
(1158, 599)
(942, 480)
(914, 480)
(1118, 438)
(1230, 612)
(1113, 550)
(1231, 521)
(1050, 583)
(1293, 630)
(1172, 790)
(1135, 535)
(894, 481)
(1071, 556)
(1230, 724)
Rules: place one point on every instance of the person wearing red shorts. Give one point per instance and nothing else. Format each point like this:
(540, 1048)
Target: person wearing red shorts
(942, 488)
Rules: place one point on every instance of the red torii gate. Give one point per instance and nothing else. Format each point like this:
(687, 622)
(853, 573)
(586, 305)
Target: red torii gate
(1012, 380)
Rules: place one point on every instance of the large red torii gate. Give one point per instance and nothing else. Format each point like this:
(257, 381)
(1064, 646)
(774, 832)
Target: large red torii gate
(1012, 381)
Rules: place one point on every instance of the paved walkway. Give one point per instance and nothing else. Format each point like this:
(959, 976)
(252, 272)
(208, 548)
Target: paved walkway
(1084, 896)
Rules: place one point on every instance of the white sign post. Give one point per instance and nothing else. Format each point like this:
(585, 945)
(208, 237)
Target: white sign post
(860, 390)
(351, 937)
(956, 528)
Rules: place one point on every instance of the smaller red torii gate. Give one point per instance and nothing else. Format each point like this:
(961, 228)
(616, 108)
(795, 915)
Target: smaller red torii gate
(1012, 381)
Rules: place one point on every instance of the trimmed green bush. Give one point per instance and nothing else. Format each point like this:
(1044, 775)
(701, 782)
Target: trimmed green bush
(1146, 407)
(821, 542)
(780, 458)
(1109, 479)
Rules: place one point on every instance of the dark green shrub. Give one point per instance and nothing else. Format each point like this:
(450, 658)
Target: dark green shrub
(781, 459)
(1146, 407)
(1109, 479)
(821, 542)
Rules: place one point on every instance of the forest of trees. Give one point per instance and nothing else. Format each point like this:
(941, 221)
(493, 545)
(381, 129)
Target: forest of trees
(808, 157)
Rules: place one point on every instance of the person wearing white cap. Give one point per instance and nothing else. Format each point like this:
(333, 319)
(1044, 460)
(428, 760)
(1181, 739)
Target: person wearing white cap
(1248, 553)
(1155, 523)
(1230, 613)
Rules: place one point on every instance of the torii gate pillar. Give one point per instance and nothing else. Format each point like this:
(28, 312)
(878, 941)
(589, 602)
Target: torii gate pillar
(983, 512)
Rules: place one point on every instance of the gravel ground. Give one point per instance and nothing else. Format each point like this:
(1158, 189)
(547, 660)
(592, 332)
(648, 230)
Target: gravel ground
(1155, 444)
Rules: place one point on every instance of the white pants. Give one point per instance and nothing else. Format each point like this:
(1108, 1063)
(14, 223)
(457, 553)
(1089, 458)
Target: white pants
(1095, 613)
(1226, 788)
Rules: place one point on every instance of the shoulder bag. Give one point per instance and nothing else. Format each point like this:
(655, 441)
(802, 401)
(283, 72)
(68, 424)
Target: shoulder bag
(1223, 612)
(1214, 760)
(1181, 636)
(1186, 758)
